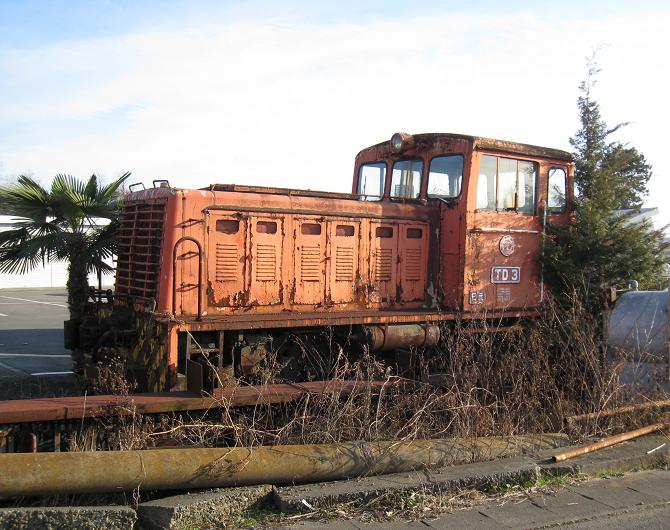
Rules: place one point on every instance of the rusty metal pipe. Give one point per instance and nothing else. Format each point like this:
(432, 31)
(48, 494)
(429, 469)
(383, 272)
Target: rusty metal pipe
(609, 441)
(638, 407)
(402, 336)
(158, 469)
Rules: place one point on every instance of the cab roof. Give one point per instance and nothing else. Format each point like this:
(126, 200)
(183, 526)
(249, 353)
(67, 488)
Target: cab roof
(425, 140)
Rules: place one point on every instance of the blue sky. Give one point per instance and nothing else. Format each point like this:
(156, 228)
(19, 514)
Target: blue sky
(26, 23)
(288, 92)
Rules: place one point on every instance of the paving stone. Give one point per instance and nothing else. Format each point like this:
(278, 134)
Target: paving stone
(330, 525)
(518, 515)
(615, 494)
(570, 505)
(199, 509)
(656, 484)
(464, 519)
(69, 518)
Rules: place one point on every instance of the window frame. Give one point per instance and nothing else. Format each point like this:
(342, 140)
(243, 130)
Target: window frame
(556, 211)
(427, 179)
(514, 210)
(376, 198)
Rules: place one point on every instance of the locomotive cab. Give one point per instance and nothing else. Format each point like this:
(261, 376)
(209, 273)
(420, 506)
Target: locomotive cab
(493, 199)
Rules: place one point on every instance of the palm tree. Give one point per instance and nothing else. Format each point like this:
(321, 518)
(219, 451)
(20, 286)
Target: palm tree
(55, 225)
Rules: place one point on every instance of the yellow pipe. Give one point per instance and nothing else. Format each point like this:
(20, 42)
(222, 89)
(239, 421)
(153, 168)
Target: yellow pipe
(191, 468)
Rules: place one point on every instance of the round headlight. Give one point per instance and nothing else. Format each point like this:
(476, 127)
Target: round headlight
(396, 142)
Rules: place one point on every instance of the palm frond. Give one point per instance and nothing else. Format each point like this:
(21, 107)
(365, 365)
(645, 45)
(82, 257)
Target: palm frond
(28, 199)
(101, 244)
(27, 252)
(106, 202)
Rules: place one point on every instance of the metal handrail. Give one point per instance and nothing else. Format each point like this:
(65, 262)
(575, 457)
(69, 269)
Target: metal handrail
(174, 274)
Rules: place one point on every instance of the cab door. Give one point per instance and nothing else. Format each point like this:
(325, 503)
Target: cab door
(504, 235)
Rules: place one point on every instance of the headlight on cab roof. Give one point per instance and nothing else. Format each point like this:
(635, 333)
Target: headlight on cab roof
(401, 142)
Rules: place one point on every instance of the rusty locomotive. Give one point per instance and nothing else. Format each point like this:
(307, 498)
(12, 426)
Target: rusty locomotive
(436, 227)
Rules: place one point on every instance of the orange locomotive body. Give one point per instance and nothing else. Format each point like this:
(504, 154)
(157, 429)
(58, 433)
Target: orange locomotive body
(437, 227)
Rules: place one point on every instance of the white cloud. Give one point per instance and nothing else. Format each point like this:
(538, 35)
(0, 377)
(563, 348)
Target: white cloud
(266, 104)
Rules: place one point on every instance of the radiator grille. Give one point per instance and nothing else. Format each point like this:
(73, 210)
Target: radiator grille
(227, 262)
(139, 236)
(266, 263)
(413, 264)
(310, 263)
(344, 264)
(383, 264)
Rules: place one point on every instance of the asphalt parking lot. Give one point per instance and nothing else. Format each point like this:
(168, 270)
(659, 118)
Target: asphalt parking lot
(31, 340)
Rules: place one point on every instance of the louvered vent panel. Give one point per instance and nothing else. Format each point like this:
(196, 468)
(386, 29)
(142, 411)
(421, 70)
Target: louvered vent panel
(413, 264)
(266, 263)
(139, 236)
(310, 263)
(344, 264)
(383, 264)
(227, 262)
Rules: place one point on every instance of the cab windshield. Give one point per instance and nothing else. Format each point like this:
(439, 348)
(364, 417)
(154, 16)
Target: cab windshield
(406, 179)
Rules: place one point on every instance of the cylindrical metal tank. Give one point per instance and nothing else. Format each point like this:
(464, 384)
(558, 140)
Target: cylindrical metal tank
(640, 324)
(402, 336)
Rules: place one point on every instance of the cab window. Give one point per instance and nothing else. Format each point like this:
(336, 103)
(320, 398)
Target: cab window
(506, 184)
(557, 180)
(371, 181)
(445, 177)
(406, 179)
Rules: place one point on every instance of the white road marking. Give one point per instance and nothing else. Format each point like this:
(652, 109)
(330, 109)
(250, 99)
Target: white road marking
(11, 303)
(11, 369)
(3, 315)
(52, 373)
(32, 301)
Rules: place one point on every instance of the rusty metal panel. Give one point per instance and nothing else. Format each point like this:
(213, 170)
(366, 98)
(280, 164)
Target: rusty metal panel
(451, 257)
(502, 266)
(310, 260)
(413, 249)
(344, 251)
(266, 245)
(227, 259)
(384, 260)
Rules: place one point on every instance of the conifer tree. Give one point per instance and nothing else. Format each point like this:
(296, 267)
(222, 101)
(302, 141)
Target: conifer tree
(603, 247)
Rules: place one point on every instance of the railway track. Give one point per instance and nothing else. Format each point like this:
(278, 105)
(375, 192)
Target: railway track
(31, 425)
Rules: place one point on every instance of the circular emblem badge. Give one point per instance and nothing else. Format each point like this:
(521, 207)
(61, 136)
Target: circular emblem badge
(507, 245)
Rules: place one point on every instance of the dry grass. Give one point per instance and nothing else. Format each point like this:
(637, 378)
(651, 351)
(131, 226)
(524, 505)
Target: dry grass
(479, 381)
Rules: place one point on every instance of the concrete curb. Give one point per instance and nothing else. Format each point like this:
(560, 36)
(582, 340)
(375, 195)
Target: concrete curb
(624, 457)
(69, 518)
(481, 475)
(201, 509)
